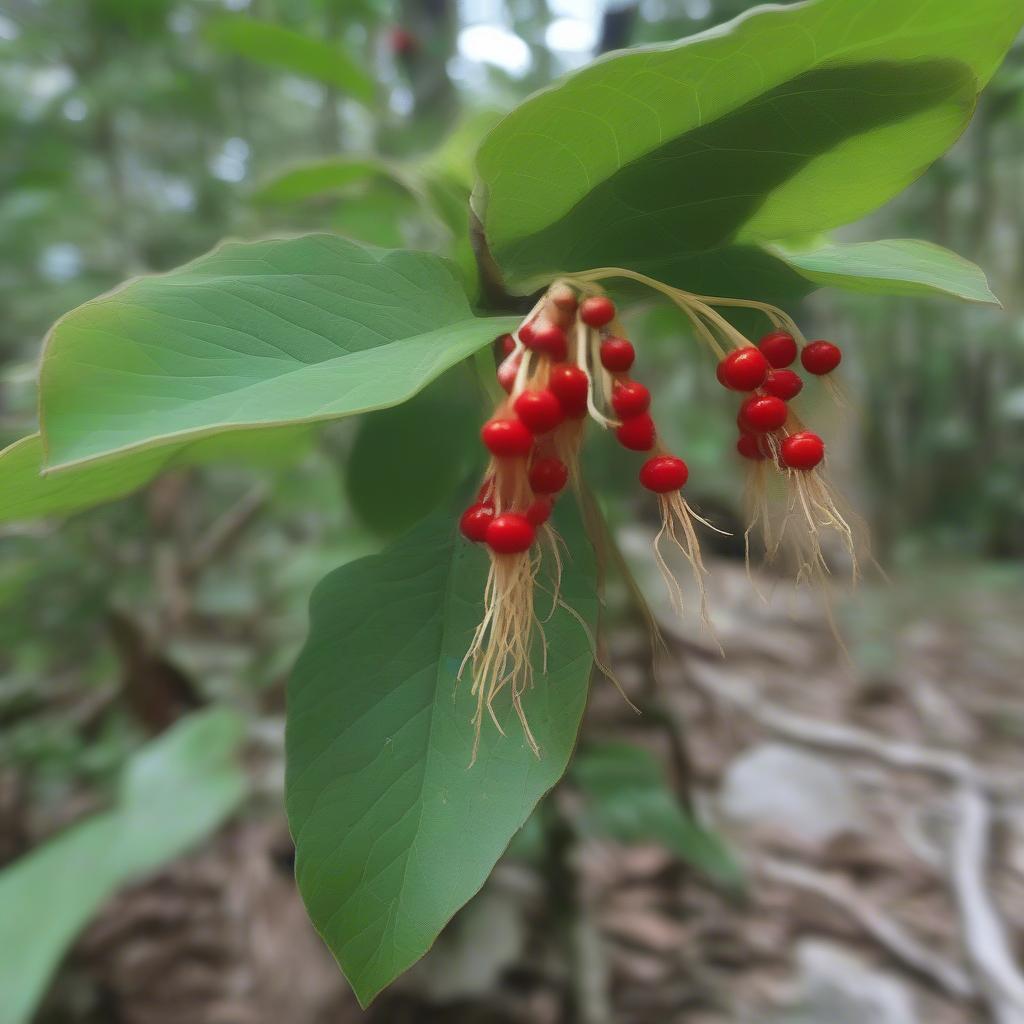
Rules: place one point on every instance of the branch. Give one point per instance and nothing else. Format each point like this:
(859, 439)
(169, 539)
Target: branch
(617, 27)
(988, 950)
(885, 930)
(814, 732)
(492, 285)
(224, 531)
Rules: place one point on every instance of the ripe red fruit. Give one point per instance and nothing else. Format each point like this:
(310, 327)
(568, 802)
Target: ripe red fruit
(506, 437)
(507, 344)
(749, 446)
(402, 41)
(663, 473)
(630, 398)
(564, 298)
(762, 413)
(779, 348)
(743, 370)
(597, 311)
(637, 433)
(617, 354)
(508, 370)
(509, 534)
(548, 475)
(570, 385)
(526, 332)
(549, 338)
(539, 511)
(784, 384)
(539, 410)
(803, 450)
(821, 357)
(475, 520)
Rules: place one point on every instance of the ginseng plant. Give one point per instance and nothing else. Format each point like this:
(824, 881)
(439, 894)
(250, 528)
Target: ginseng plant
(442, 684)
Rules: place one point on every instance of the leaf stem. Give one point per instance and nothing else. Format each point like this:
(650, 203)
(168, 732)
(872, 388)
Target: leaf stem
(698, 308)
(483, 364)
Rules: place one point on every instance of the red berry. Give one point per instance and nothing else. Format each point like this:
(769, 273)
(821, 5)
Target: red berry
(539, 410)
(507, 344)
(506, 437)
(550, 339)
(779, 348)
(663, 473)
(637, 433)
(475, 520)
(402, 41)
(630, 398)
(762, 413)
(509, 534)
(526, 332)
(548, 476)
(784, 384)
(617, 355)
(539, 511)
(749, 446)
(508, 370)
(597, 311)
(820, 357)
(570, 385)
(803, 450)
(564, 298)
(743, 370)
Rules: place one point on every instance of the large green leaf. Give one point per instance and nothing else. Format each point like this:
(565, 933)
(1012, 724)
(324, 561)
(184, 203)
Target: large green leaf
(397, 472)
(326, 177)
(252, 334)
(173, 793)
(787, 121)
(394, 831)
(629, 800)
(27, 493)
(897, 266)
(281, 47)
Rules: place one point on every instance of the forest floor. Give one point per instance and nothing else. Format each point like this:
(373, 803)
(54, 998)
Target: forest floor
(872, 795)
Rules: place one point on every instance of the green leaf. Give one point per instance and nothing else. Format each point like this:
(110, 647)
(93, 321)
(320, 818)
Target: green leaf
(173, 793)
(26, 493)
(253, 334)
(787, 121)
(391, 196)
(380, 214)
(325, 177)
(630, 801)
(897, 266)
(397, 472)
(394, 831)
(267, 43)
(453, 158)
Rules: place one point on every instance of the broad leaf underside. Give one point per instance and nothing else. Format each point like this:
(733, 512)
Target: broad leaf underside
(394, 830)
(681, 160)
(679, 211)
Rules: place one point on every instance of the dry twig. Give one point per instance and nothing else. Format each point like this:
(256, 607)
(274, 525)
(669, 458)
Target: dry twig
(845, 739)
(886, 931)
(985, 939)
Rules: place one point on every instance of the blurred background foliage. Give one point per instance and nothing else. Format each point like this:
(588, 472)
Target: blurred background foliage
(138, 133)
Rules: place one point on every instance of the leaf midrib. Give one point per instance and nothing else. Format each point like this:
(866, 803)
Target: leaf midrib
(499, 324)
(396, 903)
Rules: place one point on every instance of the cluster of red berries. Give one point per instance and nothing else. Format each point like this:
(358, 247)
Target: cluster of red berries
(763, 370)
(522, 429)
(631, 402)
(510, 533)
